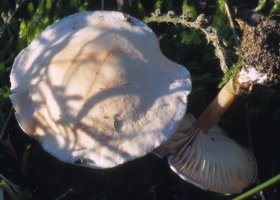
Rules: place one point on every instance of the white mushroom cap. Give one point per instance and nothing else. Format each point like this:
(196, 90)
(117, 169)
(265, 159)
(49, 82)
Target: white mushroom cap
(95, 88)
(213, 161)
(180, 138)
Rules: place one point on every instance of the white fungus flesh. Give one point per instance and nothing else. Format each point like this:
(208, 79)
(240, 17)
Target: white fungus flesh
(251, 75)
(95, 88)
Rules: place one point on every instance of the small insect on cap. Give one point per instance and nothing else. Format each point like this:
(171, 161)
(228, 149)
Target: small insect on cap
(94, 88)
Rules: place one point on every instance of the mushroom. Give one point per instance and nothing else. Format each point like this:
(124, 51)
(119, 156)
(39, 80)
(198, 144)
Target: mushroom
(95, 90)
(201, 153)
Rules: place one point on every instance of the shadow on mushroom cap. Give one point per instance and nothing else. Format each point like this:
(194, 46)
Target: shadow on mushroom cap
(95, 87)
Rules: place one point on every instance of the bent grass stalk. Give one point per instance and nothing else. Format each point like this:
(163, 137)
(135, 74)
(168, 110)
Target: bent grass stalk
(258, 188)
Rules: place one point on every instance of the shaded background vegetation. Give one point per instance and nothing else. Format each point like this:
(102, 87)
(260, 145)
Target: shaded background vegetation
(39, 176)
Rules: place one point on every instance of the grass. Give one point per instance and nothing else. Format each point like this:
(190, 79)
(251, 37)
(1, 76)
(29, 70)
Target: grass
(258, 188)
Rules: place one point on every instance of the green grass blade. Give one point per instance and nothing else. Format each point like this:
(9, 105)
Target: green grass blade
(271, 181)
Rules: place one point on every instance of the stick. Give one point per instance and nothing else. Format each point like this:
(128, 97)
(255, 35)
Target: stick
(7, 22)
(229, 16)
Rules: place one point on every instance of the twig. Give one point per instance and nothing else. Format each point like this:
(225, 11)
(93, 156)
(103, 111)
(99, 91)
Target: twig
(24, 162)
(209, 32)
(5, 124)
(229, 16)
(65, 194)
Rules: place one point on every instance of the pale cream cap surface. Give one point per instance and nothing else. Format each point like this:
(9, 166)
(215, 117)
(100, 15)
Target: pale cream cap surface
(95, 88)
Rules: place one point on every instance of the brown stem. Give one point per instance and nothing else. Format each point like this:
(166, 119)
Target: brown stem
(211, 115)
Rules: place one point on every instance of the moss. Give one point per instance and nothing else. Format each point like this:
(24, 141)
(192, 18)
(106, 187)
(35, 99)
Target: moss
(231, 73)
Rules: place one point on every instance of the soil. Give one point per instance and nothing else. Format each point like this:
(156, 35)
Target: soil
(260, 47)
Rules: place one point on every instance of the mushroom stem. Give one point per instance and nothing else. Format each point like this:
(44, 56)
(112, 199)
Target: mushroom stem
(211, 115)
(207, 119)
(200, 152)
